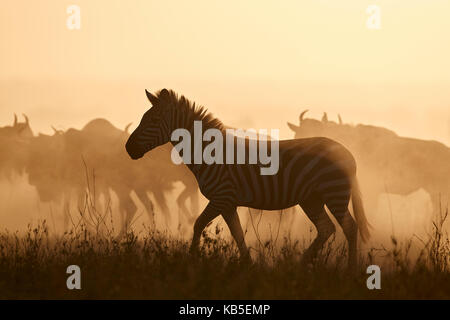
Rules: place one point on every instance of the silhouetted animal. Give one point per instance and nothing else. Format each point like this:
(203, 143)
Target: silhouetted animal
(388, 163)
(64, 165)
(313, 172)
(58, 164)
(18, 129)
(161, 164)
(49, 171)
(160, 172)
(13, 143)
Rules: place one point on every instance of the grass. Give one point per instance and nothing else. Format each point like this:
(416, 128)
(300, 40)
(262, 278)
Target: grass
(154, 265)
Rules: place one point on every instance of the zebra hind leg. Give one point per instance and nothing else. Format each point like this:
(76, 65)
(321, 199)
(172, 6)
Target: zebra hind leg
(315, 211)
(349, 226)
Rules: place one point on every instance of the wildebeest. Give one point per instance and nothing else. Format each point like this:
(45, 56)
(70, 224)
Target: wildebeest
(64, 165)
(76, 164)
(18, 129)
(313, 172)
(388, 163)
(13, 140)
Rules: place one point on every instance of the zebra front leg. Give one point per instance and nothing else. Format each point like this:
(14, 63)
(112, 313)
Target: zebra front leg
(211, 211)
(231, 217)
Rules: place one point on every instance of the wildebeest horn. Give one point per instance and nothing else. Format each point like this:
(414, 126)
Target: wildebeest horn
(127, 127)
(301, 115)
(15, 119)
(26, 118)
(57, 131)
(325, 117)
(340, 119)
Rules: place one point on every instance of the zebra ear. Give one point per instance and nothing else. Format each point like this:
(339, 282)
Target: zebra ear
(164, 94)
(153, 100)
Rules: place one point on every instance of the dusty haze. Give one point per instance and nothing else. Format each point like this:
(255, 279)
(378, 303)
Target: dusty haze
(253, 64)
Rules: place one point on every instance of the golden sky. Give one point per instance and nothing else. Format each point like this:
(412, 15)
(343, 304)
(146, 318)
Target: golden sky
(253, 63)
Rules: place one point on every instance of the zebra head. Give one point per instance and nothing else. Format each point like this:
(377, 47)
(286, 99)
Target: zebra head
(154, 128)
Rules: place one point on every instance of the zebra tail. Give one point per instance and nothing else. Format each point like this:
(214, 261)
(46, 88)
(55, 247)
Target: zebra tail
(358, 211)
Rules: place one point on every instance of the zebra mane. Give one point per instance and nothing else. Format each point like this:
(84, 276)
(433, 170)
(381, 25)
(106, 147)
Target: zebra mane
(193, 112)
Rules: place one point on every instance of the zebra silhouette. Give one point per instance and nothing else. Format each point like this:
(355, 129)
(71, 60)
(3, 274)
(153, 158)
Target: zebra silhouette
(313, 172)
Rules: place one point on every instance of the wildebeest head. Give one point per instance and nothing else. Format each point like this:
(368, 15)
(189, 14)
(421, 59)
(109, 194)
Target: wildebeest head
(18, 129)
(14, 142)
(153, 130)
(308, 127)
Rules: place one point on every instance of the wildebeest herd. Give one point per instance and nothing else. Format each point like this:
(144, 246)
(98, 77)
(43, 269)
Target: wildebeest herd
(65, 165)
(68, 164)
(387, 162)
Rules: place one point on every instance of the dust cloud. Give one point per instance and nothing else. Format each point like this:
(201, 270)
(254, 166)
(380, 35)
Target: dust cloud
(257, 65)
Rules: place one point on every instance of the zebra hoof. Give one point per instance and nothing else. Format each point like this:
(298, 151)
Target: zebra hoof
(245, 260)
(194, 251)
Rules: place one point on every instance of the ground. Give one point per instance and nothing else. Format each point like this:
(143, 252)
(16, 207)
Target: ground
(154, 265)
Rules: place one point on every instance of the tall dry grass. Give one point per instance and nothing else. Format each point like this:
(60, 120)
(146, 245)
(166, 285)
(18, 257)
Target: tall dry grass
(154, 265)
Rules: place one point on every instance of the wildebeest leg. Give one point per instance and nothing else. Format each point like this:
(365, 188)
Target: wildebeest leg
(184, 215)
(314, 209)
(194, 196)
(211, 211)
(127, 209)
(291, 215)
(66, 213)
(148, 204)
(182, 199)
(162, 202)
(231, 217)
(66, 196)
(437, 203)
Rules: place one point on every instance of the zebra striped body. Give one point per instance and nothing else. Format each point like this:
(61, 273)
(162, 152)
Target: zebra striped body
(313, 172)
(307, 167)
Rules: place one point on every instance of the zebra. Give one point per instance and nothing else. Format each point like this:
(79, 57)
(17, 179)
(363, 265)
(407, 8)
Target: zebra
(313, 173)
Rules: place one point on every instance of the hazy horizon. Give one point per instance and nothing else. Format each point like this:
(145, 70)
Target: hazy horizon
(273, 106)
(252, 64)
